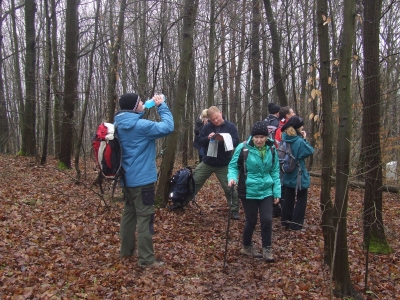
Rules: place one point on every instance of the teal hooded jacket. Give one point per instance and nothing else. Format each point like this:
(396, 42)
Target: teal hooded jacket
(301, 149)
(262, 174)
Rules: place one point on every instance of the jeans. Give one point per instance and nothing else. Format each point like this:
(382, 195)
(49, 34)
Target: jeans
(251, 210)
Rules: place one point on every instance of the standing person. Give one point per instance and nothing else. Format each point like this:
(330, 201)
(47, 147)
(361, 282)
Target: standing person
(294, 210)
(218, 164)
(200, 122)
(138, 144)
(285, 113)
(258, 187)
(273, 118)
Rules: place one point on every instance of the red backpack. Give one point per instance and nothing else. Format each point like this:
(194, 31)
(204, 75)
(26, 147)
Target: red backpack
(107, 154)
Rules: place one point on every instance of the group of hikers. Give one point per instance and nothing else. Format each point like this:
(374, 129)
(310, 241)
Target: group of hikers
(248, 170)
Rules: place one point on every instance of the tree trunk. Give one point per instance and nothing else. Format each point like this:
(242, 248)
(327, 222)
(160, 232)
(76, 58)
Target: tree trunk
(255, 61)
(17, 71)
(70, 82)
(87, 93)
(374, 233)
(341, 272)
(55, 83)
(211, 56)
(5, 133)
(28, 130)
(224, 92)
(326, 132)
(47, 85)
(189, 17)
(276, 46)
(113, 72)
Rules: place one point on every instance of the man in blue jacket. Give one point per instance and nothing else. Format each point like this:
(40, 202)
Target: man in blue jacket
(138, 143)
(219, 164)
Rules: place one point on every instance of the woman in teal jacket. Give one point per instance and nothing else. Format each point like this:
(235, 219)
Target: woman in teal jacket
(293, 211)
(258, 185)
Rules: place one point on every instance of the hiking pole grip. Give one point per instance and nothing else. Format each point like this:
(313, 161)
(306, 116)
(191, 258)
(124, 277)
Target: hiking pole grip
(229, 223)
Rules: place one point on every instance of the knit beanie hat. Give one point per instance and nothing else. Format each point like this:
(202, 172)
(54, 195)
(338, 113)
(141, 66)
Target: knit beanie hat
(295, 122)
(273, 108)
(129, 101)
(260, 128)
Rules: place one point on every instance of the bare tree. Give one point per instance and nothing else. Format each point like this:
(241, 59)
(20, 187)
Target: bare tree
(374, 233)
(341, 272)
(189, 18)
(326, 130)
(28, 130)
(113, 72)
(4, 134)
(276, 46)
(255, 60)
(70, 81)
(47, 84)
(211, 56)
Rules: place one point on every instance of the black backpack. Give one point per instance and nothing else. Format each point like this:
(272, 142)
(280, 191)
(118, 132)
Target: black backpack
(287, 161)
(181, 188)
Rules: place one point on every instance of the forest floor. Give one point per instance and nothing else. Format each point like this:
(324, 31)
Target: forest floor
(59, 242)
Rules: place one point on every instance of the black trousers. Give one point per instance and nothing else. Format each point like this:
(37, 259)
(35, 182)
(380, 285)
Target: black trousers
(293, 211)
(251, 210)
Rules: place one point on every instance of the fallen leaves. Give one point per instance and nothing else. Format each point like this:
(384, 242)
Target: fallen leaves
(58, 242)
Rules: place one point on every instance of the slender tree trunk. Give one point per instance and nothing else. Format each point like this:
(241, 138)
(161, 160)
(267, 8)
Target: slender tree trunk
(70, 82)
(5, 133)
(326, 131)
(211, 56)
(189, 17)
(78, 144)
(341, 272)
(17, 71)
(113, 72)
(276, 46)
(28, 131)
(255, 61)
(238, 76)
(47, 85)
(374, 233)
(55, 82)
(224, 92)
(191, 102)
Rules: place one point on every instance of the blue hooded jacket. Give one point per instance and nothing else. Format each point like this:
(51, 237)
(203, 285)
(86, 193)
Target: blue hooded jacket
(138, 143)
(301, 149)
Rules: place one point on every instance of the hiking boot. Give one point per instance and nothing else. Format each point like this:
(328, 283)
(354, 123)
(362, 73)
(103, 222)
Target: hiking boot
(250, 251)
(155, 264)
(267, 254)
(235, 215)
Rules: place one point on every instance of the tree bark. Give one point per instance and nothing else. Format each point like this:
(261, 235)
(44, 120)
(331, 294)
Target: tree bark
(276, 46)
(70, 82)
(28, 130)
(341, 272)
(189, 17)
(47, 85)
(326, 131)
(374, 233)
(255, 61)
(113, 72)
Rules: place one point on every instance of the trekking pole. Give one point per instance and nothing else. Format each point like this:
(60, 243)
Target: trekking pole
(229, 223)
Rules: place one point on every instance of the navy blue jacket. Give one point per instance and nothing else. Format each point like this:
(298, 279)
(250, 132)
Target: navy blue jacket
(223, 157)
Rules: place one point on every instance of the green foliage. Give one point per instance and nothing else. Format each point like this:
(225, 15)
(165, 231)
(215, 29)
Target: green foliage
(61, 166)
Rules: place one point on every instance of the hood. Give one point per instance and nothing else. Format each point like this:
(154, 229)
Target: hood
(127, 119)
(289, 138)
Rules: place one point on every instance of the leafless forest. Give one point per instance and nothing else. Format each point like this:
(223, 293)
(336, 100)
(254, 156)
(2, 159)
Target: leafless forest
(63, 65)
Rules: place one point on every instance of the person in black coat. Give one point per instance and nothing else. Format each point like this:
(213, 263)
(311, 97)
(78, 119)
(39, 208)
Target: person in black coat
(200, 122)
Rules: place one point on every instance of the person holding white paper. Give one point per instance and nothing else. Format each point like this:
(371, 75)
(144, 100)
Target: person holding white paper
(217, 159)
